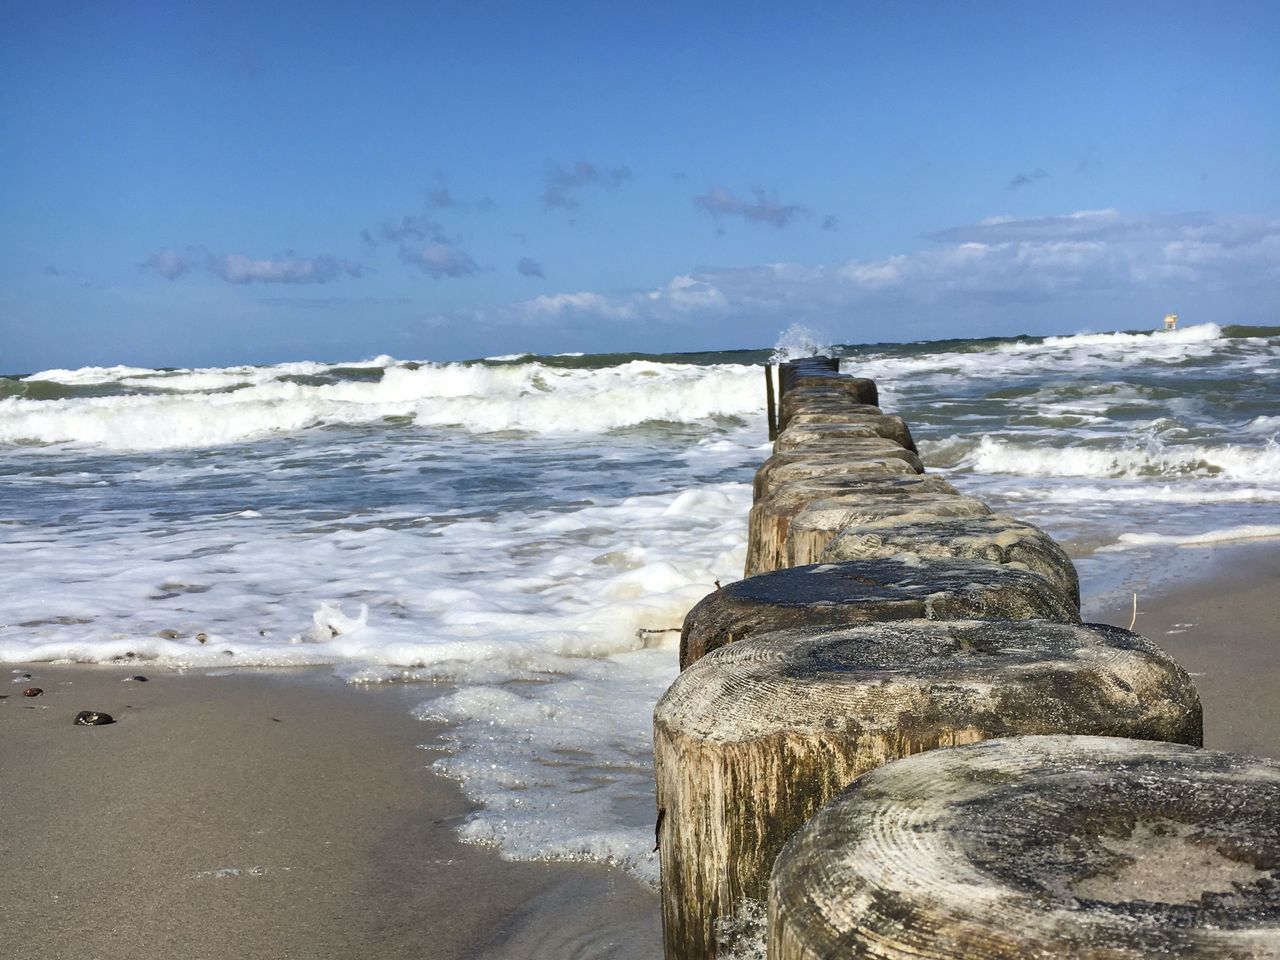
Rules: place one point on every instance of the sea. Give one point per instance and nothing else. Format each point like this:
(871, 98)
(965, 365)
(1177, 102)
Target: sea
(522, 535)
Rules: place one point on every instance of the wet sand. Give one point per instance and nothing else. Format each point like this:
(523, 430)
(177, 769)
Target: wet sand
(265, 815)
(1225, 630)
(283, 814)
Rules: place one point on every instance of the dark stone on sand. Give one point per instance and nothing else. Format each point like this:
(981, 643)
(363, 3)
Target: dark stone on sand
(139, 678)
(870, 591)
(93, 718)
(33, 692)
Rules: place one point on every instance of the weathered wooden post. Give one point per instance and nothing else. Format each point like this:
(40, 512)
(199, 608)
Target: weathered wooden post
(770, 518)
(873, 456)
(1056, 846)
(753, 739)
(996, 538)
(792, 526)
(797, 436)
(789, 370)
(814, 526)
(827, 595)
(771, 412)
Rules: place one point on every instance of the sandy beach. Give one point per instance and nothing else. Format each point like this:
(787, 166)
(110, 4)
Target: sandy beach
(284, 814)
(264, 814)
(1225, 630)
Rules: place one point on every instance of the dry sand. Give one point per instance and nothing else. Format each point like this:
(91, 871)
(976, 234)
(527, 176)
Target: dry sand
(264, 815)
(316, 792)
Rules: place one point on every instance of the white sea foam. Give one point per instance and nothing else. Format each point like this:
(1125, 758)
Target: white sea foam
(799, 341)
(1156, 341)
(571, 604)
(562, 764)
(1153, 459)
(1263, 426)
(526, 397)
(1208, 538)
(89, 376)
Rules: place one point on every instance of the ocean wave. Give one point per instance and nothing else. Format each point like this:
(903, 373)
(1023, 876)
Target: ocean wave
(199, 410)
(1153, 459)
(1207, 538)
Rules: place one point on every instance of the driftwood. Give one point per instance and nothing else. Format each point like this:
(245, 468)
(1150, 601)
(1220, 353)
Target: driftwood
(864, 591)
(997, 538)
(1072, 847)
(752, 740)
(800, 435)
(791, 527)
(864, 457)
(770, 518)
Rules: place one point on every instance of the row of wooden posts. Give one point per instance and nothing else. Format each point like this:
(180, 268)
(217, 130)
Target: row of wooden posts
(884, 615)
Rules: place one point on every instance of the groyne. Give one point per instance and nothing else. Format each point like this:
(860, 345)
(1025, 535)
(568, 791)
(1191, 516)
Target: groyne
(884, 615)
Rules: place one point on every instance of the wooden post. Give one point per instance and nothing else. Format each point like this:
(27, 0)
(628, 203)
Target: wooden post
(753, 739)
(869, 591)
(1055, 846)
(769, 404)
(769, 519)
(997, 538)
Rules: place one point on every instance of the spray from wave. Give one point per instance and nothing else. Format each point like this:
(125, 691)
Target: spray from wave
(800, 341)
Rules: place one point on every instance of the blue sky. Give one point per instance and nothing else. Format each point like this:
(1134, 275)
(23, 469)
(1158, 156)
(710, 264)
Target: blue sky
(198, 184)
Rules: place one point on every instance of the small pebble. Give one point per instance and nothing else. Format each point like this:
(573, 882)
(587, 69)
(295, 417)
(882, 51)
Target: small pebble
(140, 678)
(33, 692)
(92, 718)
(202, 637)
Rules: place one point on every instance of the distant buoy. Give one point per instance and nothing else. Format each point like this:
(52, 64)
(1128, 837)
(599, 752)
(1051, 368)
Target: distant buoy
(1171, 321)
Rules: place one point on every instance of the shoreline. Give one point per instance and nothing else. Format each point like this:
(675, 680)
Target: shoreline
(268, 814)
(319, 793)
(1221, 626)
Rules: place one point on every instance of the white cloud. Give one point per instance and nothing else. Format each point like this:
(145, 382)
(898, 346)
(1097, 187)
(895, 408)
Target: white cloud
(168, 263)
(1101, 265)
(439, 259)
(722, 202)
(239, 269)
(564, 183)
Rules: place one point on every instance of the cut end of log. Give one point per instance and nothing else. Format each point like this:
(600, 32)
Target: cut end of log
(1039, 846)
(862, 591)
